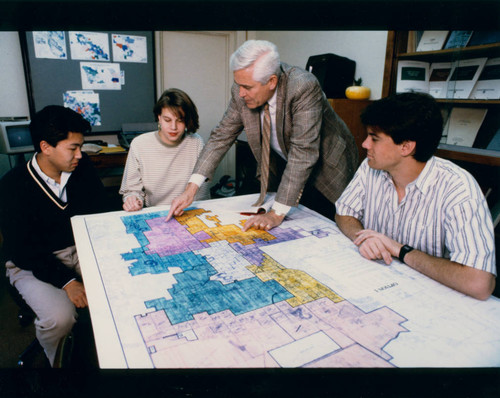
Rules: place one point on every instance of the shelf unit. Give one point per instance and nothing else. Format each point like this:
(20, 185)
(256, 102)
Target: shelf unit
(397, 49)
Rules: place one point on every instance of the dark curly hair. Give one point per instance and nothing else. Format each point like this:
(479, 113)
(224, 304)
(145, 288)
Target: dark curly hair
(408, 117)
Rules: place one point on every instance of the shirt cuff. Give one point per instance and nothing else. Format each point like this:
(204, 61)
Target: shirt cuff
(197, 179)
(281, 208)
(68, 282)
(126, 196)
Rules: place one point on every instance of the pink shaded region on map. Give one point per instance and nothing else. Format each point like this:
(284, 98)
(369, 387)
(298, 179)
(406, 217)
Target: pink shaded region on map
(246, 341)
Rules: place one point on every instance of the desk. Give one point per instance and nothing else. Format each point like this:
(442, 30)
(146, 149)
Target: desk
(108, 160)
(197, 292)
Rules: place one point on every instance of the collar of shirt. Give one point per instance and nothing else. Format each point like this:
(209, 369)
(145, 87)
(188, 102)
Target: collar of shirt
(423, 183)
(58, 188)
(272, 102)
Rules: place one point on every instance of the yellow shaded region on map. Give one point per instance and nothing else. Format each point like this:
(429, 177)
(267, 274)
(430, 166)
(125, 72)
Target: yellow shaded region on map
(230, 233)
(304, 287)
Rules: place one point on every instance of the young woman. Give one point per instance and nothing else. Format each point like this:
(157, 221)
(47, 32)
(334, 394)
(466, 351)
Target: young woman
(160, 163)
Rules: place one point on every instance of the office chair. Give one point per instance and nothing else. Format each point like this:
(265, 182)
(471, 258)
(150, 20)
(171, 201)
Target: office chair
(25, 316)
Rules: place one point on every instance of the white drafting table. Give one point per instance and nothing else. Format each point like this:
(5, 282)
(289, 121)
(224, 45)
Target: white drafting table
(197, 292)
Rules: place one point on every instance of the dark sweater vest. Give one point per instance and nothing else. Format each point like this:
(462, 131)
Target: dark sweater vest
(35, 222)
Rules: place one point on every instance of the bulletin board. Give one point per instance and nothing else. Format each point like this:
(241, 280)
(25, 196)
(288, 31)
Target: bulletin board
(107, 76)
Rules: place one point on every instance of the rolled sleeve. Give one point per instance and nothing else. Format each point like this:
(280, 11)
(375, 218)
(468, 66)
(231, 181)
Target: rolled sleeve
(351, 202)
(469, 235)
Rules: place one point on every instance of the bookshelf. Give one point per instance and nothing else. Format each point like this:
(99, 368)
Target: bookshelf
(400, 47)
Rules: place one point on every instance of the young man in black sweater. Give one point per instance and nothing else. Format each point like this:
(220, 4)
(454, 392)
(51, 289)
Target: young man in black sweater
(36, 203)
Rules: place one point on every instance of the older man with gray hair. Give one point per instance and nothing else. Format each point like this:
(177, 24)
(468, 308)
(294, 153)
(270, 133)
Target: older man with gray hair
(304, 151)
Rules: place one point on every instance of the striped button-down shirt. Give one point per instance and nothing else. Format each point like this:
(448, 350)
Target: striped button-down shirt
(444, 213)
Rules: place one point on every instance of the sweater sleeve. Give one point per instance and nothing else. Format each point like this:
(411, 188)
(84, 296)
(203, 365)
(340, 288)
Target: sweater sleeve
(132, 183)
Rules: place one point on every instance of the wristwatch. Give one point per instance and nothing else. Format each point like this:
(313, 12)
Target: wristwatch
(403, 252)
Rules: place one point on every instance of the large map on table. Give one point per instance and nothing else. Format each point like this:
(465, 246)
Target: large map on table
(198, 292)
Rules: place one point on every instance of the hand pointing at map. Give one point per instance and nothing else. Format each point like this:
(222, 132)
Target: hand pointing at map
(182, 201)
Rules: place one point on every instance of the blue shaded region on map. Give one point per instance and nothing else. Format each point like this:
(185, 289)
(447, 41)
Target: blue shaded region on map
(194, 290)
(137, 225)
(154, 264)
(194, 294)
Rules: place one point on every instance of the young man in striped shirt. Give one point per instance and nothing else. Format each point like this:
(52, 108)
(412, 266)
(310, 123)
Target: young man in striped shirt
(406, 203)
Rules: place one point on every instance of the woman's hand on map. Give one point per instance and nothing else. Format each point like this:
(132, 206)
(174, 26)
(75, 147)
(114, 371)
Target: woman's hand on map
(265, 221)
(182, 201)
(132, 203)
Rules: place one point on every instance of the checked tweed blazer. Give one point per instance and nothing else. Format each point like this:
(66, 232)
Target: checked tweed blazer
(316, 142)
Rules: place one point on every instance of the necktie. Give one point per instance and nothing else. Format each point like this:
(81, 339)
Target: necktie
(264, 161)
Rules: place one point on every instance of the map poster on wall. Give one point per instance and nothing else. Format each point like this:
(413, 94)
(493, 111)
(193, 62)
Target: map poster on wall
(198, 292)
(128, 48)
(100, 76)
(127, 90)
(86, 103)
(50, 44)
(91, 46)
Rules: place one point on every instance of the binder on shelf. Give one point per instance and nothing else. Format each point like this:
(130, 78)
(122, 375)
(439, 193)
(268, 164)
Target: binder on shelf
(482, 37)
(488, 83)
(458, 39)
(494, 144)
(413, 76)
(463, 125)
(439, 75)
(489, 127)
(453, 80)
(445, 113)
(464, 77)
(432, 40)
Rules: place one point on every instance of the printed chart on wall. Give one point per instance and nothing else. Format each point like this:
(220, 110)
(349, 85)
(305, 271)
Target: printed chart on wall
(198, 292)
(107, 76)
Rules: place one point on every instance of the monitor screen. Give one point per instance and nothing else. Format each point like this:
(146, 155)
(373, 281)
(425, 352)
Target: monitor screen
(19, 136)
(15, 137)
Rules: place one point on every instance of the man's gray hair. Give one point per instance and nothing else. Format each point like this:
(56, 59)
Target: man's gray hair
(263, 54)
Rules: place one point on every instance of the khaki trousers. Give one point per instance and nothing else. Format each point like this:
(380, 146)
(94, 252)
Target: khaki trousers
(55, 313)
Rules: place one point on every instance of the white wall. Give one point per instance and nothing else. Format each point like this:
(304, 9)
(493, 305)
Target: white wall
(13, 97)
(367, 48)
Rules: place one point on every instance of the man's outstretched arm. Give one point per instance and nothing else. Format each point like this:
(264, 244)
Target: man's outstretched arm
(182, 201)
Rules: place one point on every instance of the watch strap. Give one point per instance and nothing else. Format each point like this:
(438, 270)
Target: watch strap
(403, 252)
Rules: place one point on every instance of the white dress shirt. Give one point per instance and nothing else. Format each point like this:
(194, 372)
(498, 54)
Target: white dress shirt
(279, 208)
(58, 188)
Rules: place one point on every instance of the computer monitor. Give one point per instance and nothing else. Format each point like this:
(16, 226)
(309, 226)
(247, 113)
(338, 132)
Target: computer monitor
(15, 137)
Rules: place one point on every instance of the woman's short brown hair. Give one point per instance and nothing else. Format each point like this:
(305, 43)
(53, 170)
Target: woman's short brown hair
(181, 105)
